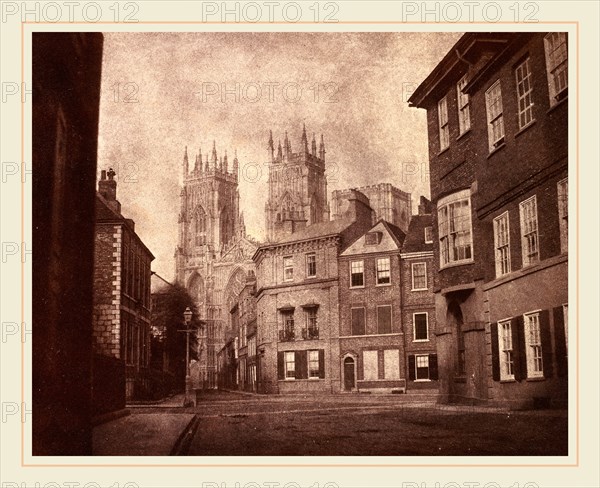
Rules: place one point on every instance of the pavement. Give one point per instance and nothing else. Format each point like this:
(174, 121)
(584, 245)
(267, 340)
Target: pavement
(142, 433)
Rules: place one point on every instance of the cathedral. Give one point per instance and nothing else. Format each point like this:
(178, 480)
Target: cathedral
(214, 254)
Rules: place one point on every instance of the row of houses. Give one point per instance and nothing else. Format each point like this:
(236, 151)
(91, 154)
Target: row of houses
(342, 305)
(473, 296)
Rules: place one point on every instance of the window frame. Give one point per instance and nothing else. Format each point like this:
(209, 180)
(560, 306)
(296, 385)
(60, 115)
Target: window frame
(362, 273)
(428, 234)
(309, 361)
(412, 273)
(524, 91)
(553, 69)
(287, 267)
(414, 315)
(391, 319)
(493, 116)
(463, 107)
(309, 263)
(506, 350)
(287, 362)
(417, 357)
(444, 129)
(446, 204)
(533, 345)
(502, 261)
(380, 272)
(364, 315)
(529, 258)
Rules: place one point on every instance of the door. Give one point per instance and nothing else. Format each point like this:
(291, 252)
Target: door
(348, 374)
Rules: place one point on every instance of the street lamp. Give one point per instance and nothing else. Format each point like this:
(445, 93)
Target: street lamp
(187, 316)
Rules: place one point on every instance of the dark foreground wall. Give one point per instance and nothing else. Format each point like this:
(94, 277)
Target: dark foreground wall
(66, 92)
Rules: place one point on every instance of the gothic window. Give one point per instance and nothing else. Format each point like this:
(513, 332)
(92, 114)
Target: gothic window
(200, 224)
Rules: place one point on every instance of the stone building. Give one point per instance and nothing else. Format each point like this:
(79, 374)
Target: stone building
(388, 203)
(297, 187)
(497, 110)
(418, 300)
(214, 253)
(371, 334)
(298, 303)
(121, 320)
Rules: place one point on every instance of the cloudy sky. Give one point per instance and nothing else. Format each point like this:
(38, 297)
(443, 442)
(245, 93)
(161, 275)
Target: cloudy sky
(163, 91)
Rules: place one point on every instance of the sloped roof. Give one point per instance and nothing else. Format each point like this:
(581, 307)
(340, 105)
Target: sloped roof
(314, 231)
(415, 239)
(391, 240)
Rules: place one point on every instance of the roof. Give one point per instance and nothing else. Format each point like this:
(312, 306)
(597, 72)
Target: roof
(415, 239)
(315, 231)
(391, 240)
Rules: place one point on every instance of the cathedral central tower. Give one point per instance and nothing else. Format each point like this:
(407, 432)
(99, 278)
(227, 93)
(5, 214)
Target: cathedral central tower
(297, 186)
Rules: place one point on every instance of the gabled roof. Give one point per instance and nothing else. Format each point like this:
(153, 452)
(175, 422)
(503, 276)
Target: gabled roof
(391, 240)
(415, 239)
(313, 231)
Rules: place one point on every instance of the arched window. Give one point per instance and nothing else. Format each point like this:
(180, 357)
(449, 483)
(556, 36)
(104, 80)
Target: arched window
(200, 227)
(313, 210)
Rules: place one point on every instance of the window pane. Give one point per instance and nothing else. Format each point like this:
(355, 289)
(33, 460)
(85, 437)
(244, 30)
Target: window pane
(420, 325)
(419, 276)
(383, 271)
(384, 319)
(358, 321)
(357, 274)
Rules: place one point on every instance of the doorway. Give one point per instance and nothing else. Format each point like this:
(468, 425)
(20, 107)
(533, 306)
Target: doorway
(349, 379)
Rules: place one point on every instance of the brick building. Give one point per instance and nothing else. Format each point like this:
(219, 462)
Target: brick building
(121, 319)
(298, 304)
(372, 353)
(418, 300)
(497, 108)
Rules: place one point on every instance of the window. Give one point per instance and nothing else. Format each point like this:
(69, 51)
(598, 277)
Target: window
(533, 346)
(428, 235)
(287, 332)
(384, 319)
(391, 364)
(464, 117)
(555, 45)
(563, 213)
(372, 238)
(370, 365)
(505, 346)
(311, 265)
(443, 121)
(420, 326)
(200, 222)
(454, 228)
(419, 276)
(502, 244)
(313, 364)
(358, 321)
(422, 367)
(524, 91)
(290, 365)
(529, 231)
(288, 268)
(461, 359)
(357, 276)
(493, 106)
(312, 329)
(383, 271)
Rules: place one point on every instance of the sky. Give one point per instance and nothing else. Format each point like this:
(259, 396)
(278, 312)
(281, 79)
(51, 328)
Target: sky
(164, 91)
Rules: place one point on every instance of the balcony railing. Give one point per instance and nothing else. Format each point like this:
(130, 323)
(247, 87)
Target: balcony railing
(310, 333)
(287, 335)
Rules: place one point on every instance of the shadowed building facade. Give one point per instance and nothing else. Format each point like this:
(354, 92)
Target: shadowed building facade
(497, 109)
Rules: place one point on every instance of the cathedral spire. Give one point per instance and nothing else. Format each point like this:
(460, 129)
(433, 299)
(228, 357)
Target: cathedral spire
(200, 158)
(271, 148)
(314, 146)
(214, 154)
(322, 149)
(235, 163)
(186, 163)
(206, 168)
(279, 152)
(287, 147)
(304, 139)
(225, 165)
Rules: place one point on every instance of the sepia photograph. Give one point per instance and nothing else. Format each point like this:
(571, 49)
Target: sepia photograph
(300, 243)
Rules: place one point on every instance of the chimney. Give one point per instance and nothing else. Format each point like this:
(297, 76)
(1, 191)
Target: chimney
(107, 187)
(358, 208)
(425, 206)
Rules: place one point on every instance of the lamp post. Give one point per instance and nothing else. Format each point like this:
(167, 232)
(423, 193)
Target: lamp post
(187, 316)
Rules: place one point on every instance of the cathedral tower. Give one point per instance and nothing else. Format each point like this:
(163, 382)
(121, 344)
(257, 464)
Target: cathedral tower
(297, 186)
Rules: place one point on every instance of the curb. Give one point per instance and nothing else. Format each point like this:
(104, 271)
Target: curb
(182, 444)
